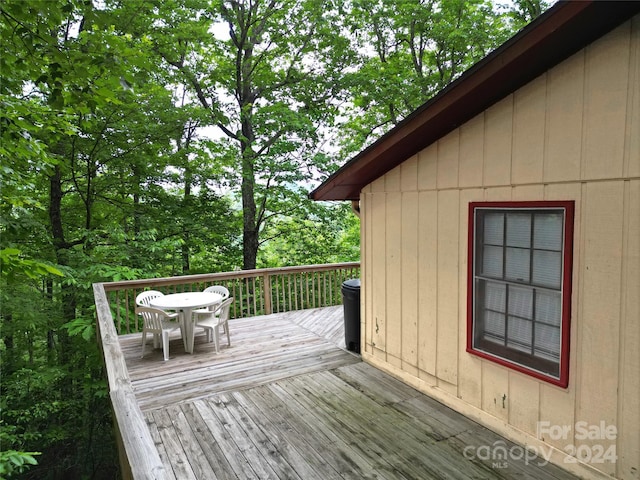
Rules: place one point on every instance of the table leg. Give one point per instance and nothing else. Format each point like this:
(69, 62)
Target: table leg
(189, 330)
(182, 334)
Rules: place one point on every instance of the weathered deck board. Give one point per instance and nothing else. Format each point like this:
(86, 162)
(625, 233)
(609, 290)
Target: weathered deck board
(285, 402)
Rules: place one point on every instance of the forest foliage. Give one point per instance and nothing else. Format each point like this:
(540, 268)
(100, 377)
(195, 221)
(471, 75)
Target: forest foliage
(148, 138)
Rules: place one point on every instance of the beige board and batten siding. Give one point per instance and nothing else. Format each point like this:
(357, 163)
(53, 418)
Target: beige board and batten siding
(571, 134)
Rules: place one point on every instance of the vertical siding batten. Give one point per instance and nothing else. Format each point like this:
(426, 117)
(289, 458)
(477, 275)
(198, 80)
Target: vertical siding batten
(427, 281)
(409, 275)
(366, 265)
(448, 149)
(564, 118)
(469, 366)
(597, 376)
(471, 158)
(447, 281)
(378, 273)
(528, 129)
(606, 93)
(394, 277)
(497, 145)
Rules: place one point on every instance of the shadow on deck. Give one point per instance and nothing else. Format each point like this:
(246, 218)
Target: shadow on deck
(287, 401)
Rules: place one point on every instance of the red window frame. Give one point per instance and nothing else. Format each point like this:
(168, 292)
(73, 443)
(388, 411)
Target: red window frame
(562, 379)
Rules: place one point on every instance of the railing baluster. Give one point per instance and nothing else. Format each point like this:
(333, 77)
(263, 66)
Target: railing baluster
(295, 290)
(288, 302)
(255, 296)
(333, 279)
(127, 319)
(235, 295)
(240, 295)
(313, 289)
(266, 294)
(325, 288)
(118, 314)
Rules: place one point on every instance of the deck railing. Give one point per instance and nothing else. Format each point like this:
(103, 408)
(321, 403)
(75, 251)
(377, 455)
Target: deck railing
(256, 292)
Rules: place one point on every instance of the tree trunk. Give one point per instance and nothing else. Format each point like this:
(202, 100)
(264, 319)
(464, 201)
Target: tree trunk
(55, 210)
(9, 355)
(57, 231)
(189, 131)
(186, 241)
(251, 224)
(250, 227)
(136, 200)
(51, 340)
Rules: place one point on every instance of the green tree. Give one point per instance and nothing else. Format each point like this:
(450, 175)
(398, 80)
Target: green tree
(269, 87)
(325, 234)
(411, 49)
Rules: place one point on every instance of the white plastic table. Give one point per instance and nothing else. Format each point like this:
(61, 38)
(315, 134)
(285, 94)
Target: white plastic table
(185, 303)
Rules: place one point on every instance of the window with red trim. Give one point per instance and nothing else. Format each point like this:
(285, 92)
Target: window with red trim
(520, 257)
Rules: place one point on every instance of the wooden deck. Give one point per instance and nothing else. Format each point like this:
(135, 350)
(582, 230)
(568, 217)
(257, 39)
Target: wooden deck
(287, 401)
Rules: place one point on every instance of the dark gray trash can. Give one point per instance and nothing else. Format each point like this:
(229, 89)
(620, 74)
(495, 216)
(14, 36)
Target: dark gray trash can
(351, 303)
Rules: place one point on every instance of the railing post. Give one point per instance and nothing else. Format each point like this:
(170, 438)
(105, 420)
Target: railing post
(266, 286)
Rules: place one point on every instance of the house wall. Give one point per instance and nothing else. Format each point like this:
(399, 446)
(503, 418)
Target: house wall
(571, 134)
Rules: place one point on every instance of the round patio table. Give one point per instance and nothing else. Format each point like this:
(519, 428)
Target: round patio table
(185, 303)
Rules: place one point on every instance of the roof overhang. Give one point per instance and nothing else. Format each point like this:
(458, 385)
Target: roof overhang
(561, 31)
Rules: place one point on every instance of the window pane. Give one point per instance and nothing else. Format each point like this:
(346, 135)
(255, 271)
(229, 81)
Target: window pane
(520, 334)
(548, 307)
(495, 296)
(492, 261)
(517, 267)
(493, 228)
(519, 230)
(494, 327)
(547, 268)
(521, 302)
(547, 342)
(518, 256)
(547, 232)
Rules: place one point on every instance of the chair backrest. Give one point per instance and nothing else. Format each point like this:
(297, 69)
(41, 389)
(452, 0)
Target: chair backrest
(224, 291)
(152, 318)
(223, 310)
(143, 299)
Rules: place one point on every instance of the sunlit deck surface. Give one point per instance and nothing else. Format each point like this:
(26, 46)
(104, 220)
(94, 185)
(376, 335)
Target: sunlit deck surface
(287, 401)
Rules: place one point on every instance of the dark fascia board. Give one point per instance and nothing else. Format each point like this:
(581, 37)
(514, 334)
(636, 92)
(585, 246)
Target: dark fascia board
(561, 31)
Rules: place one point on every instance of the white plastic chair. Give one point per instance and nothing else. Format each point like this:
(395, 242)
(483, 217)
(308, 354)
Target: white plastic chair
(143, 299)
(211, 321)
(157, 322)
(224, 291)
